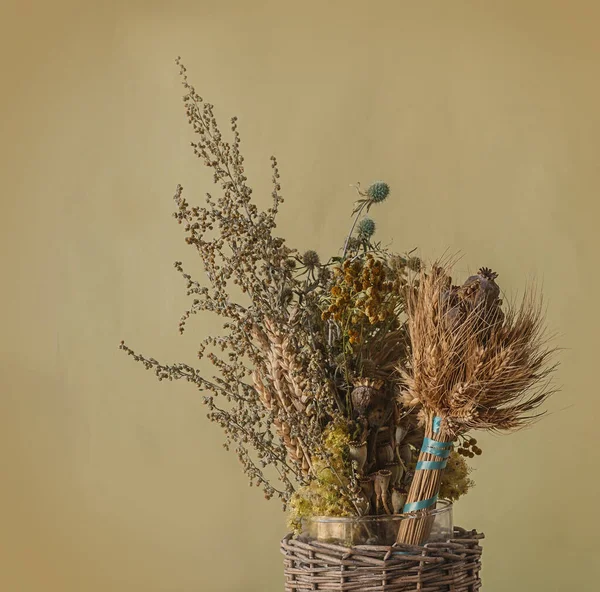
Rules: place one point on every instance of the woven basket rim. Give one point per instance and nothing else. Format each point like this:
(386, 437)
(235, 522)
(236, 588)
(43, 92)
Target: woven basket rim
(462, 539)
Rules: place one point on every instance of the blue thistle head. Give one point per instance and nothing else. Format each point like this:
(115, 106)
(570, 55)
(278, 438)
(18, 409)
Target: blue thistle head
(378, 191)
(366, 228)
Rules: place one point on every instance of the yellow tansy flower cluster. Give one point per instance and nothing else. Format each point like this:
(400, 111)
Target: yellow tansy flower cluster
(365, 292)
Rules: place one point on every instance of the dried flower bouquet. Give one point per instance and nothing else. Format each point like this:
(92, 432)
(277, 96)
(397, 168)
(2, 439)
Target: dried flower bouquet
(348, 386)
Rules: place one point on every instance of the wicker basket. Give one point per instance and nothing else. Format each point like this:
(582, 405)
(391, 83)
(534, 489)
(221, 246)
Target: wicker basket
(451, 566)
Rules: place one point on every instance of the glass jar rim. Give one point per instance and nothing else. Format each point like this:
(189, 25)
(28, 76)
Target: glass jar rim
(442, 507)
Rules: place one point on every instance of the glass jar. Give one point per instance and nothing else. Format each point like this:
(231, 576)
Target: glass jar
(378, 530)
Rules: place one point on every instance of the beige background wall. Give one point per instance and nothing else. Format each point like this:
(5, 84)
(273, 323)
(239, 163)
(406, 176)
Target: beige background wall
(484, 118)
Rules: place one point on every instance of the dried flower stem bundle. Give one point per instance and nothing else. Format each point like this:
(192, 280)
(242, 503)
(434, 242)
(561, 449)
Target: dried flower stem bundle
(472, 366)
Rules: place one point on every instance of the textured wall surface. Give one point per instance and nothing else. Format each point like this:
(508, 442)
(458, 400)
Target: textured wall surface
(484, 119)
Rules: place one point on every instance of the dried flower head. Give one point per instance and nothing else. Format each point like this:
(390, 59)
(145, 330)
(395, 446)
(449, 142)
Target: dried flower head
(378, 191)
(366, 228)
(310, 259)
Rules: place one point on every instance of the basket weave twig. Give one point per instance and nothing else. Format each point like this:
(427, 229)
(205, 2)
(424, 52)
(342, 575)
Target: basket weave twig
(451, 566)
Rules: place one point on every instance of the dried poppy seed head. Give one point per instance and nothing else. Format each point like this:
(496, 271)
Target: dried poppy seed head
(487, 273)
(378, 191)
(366, 228)
(482, 287)
(311, 259)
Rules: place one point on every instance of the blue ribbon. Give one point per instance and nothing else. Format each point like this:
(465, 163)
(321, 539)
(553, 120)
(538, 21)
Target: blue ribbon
(441, 449)
(435, 448)
(414, 506)
(431, 465)
(435, 452)
(436, 444)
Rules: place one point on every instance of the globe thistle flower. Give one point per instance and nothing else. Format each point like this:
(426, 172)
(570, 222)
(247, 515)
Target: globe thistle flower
(310, 259)
(377, 192)
(366, 228)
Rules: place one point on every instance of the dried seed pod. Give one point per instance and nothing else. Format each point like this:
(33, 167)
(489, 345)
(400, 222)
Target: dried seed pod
(480, 294)
(358, 454)
(406, 454)
(385, 455)
(363, 394)
(382, 484)
(367, 486)
(363, 504)
(398, 500)
(400, 434)
(397, 471)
